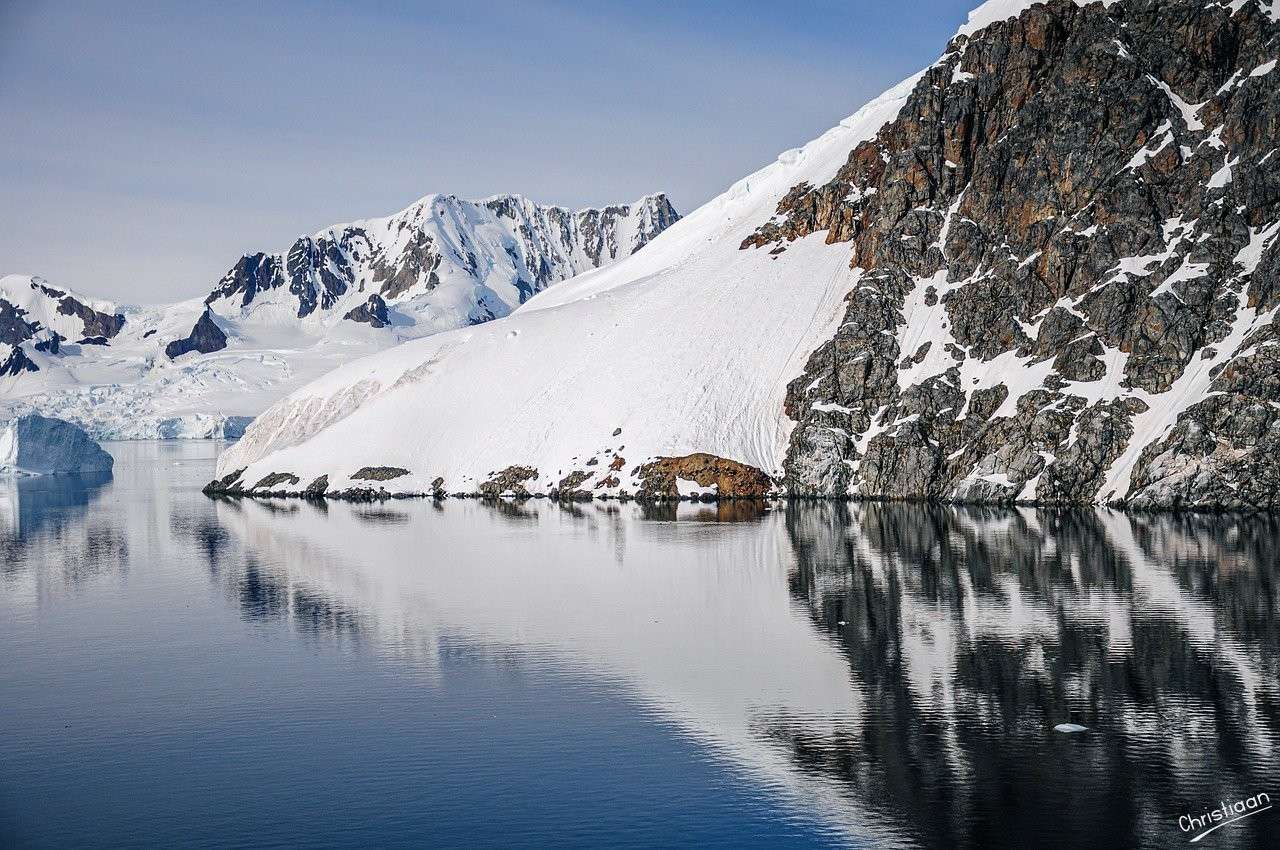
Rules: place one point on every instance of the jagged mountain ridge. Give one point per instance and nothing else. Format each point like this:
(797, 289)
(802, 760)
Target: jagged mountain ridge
(442, 262)
(44, 318)
(202, 368)
(1059, 286)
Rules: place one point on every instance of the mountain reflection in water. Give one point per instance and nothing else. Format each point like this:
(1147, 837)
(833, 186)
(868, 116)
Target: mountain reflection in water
(889, 674)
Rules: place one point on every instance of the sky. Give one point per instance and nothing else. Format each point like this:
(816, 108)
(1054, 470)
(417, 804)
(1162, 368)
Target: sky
(145, 146)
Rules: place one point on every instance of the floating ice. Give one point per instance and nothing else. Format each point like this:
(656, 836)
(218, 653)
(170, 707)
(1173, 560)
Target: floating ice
(31, 444)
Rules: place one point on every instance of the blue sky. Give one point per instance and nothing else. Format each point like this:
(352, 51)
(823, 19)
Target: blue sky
(145, 146)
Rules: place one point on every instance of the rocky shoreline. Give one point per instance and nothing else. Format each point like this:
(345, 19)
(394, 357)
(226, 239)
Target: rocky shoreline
(230, 486)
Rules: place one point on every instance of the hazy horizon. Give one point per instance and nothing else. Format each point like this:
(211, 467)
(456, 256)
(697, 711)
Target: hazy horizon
(148, 147)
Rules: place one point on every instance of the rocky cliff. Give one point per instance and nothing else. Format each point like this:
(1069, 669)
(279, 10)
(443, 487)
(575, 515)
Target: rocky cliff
(1067, 270)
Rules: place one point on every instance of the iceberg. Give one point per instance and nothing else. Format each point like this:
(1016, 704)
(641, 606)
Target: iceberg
(31, 444)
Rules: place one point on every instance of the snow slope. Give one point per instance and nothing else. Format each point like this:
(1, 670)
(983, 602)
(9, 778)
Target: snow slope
(348, 291)
(686, 346)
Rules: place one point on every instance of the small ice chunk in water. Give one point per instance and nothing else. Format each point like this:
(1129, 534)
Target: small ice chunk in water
(1070, 727)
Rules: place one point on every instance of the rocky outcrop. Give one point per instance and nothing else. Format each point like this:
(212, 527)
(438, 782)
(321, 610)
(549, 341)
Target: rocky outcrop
(372, 312)
(205, 337)
(14, 329)
(51, 343)
(509, 482)
(1068, 270)
(570, 488)
(96, 324)
(18, 324)
(317, 488)
(715, 476)
(16, 363)
(379, 473)
(275, 479)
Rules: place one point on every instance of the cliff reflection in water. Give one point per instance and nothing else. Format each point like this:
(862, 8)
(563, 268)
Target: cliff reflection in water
(896, 671)
(973, 632)
(44, 518)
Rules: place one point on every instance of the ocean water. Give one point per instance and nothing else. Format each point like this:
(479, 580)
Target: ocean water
(180, 671)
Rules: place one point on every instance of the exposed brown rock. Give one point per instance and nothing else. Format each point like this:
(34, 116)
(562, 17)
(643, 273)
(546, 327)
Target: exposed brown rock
(730, 478)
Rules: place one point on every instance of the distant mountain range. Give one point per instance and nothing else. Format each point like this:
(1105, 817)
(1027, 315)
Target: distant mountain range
(204, 367)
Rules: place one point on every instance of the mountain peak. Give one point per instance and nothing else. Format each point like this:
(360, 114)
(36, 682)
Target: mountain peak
(439, 263)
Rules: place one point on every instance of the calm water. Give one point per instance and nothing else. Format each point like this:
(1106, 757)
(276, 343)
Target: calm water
(178, 671)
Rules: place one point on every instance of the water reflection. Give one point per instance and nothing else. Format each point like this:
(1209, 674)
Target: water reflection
(28, 503)
(976, 631)
(897, 669)
(44, 518)
(893, 672)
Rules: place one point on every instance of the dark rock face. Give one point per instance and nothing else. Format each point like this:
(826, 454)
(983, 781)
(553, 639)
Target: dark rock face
(373, 312)
(13, 328)
(318, 273)
(206, 337)
(16, 327)
(570, 486)
(96, 324)
(51, 344)
(396, 275)
(275, 479)
(16, 363)
(599, 228)
(251, 274)
(1067, 270)
(317, 488)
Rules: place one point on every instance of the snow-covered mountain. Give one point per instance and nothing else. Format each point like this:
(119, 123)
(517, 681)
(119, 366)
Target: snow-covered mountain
(203, 367)
(1043, 269)
(439, 264)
